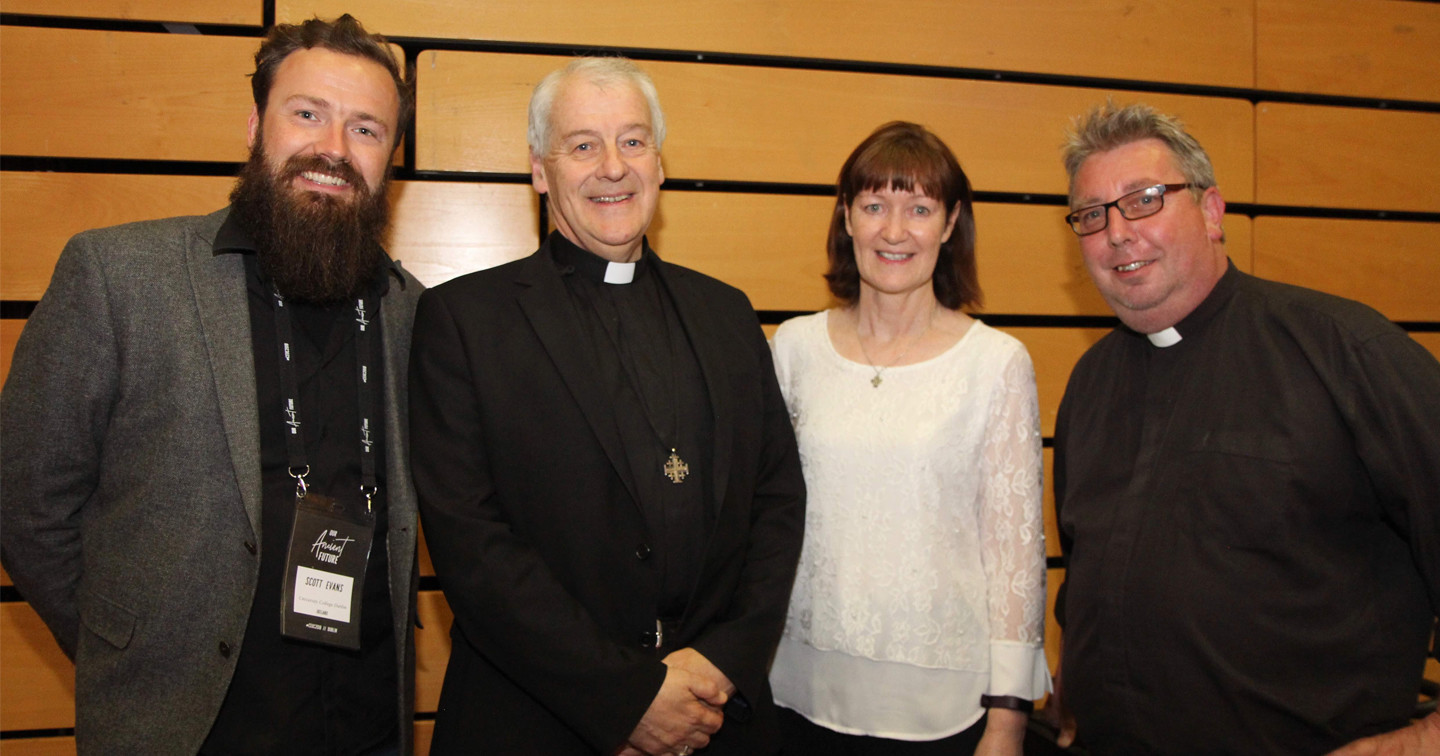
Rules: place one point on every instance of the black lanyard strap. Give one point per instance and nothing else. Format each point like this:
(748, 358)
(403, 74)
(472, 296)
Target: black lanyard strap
(290, 388)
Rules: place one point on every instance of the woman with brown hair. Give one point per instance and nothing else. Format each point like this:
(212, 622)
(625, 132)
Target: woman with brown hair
(919, 602)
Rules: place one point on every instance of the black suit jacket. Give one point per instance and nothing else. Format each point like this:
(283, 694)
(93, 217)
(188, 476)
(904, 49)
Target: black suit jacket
(533, 523)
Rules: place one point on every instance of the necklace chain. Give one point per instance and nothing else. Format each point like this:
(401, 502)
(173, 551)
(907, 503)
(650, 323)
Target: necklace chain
(877, 380)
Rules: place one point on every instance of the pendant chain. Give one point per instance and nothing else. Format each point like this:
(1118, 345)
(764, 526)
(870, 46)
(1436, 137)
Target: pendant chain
(877, 380)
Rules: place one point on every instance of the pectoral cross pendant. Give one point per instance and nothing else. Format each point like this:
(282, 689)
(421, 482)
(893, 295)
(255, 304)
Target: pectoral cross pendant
(675, 468)
(875, 381)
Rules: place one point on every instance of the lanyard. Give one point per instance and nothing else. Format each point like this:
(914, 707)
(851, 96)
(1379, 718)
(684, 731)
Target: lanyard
(290, 389)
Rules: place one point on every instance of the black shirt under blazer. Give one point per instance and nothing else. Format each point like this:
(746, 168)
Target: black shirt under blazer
(536, 533)
(132, 481)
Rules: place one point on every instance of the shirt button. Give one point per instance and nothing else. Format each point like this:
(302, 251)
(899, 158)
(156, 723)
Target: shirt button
(647, 639)
(250, 547)
(642, 552)
(225, 649)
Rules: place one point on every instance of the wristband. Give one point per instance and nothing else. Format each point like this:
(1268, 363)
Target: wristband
(1007, 702)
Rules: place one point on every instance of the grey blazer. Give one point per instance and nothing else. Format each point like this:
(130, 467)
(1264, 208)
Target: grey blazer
(131, 479)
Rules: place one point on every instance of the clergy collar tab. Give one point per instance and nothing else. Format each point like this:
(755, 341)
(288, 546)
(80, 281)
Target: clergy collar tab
(619, 273)
(1166, 338)
(572, 258)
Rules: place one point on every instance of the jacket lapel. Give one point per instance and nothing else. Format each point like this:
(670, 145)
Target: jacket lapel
(220, 298)
(547, 305)
(397, 309)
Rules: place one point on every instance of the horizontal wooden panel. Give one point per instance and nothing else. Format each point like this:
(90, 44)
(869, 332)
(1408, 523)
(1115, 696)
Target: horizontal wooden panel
(1239, 244)
(40, 746)
(1029, 262)
(1389, 265)
(432, 648)
(1346, 157)
(438, 230)
(1368, 48)
(30, 661)
(771, 247)
(1054, 352)
(106, 94)
(424, 734)
(1167, 40)
(39, 212)
(245, 12)
(9, 334)
(765, 124)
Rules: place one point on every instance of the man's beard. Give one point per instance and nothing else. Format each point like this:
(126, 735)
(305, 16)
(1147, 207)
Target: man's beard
(314, 247)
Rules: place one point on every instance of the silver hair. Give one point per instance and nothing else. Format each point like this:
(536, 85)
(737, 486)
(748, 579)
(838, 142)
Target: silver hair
(1109, 126)
(603, 72)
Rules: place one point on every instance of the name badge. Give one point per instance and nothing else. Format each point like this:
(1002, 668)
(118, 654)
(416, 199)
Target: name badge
(325, 572)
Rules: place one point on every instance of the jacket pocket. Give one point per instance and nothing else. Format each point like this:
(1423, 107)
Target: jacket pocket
(108, 620)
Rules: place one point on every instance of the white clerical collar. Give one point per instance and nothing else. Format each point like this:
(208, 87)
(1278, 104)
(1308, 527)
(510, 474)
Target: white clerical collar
(1166, 338)
(619, 273)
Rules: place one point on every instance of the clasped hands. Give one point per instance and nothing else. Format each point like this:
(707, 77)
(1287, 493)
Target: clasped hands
(686, 711)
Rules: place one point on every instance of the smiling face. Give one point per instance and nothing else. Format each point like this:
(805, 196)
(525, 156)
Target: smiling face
(329, 122)
(897, 236)
(601, 171)
(1156, 270)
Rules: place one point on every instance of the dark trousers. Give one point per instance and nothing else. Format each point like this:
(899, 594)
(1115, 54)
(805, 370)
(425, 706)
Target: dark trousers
(801, 737)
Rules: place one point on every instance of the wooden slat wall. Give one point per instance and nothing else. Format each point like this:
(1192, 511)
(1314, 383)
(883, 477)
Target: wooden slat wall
(1369, 48)
(791, 118)
(40, 211)
(1394, 267)
(104, 94)
(1430, 341)
(37, 680)
(1194, 43)
(1347, 157)
(42, 746)
(10, 329)
(240, 12)
(993, 127)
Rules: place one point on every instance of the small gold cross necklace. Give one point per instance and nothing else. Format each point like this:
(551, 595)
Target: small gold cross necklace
(877, 380)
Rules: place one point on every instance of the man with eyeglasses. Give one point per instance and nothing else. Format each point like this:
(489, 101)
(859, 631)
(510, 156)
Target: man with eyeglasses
(1247, 482)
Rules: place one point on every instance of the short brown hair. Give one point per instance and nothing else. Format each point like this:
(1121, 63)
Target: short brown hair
(907, 157)
(343, 35)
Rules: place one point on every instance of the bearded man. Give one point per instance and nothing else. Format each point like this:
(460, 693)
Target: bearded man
(207, 489)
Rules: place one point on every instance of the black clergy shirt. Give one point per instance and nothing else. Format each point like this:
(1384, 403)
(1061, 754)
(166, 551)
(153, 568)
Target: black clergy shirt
(644, 360)
(289, 696)
(1251, 519)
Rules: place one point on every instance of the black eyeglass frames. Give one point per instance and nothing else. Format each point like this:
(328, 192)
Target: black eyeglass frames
(1141, 203)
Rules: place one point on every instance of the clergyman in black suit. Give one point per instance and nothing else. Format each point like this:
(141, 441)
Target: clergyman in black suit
(607, 475)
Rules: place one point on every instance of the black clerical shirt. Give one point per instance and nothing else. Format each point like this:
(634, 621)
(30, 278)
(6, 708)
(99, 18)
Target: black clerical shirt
(644, 360)
(288, 696)
(1251, 518)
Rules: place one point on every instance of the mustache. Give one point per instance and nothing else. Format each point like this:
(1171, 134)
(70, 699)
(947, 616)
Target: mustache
(298, 164)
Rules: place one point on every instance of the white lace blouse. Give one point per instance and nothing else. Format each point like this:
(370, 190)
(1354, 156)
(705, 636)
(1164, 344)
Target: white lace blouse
(922, 579)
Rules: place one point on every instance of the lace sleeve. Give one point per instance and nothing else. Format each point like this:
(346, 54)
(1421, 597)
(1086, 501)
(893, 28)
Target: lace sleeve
(1012, 540)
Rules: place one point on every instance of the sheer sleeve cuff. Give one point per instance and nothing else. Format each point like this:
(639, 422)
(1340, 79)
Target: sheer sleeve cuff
(1018, 669)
